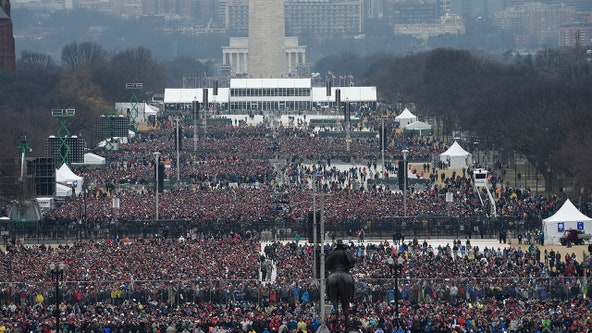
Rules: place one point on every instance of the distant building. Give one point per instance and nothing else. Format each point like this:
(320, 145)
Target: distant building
(7, 53)
(448, 24)
(535, 23)
(571, 35)
(471, 9)
(324, 19)
(236, 17)
(181, 8)
(266, 57)
(292, 94)
(416, 13)
(321, 18)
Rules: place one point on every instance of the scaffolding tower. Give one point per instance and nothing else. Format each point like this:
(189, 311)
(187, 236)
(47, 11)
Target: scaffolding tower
(133, 114)
(63, 115)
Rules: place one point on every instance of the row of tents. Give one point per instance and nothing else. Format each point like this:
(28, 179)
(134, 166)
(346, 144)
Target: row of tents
(409, 122)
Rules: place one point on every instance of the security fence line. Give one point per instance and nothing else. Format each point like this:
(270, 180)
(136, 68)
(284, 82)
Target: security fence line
(220, 291)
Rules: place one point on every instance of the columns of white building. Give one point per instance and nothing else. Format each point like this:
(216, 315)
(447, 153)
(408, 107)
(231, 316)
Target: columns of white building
(238, 59)
(294, 59)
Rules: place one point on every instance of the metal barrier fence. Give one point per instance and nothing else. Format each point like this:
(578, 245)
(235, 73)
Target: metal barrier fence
(219, 291)
(52, 231)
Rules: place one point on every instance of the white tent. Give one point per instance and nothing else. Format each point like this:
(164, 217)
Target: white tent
(566, 218)
(63, 190)
(456, 157)
(66, 178)
(419, 126)
(405, 118)
(93, 159)
(144, 110)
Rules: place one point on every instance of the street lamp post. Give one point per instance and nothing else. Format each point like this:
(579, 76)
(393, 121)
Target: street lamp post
(382, 139)
(405, 152)
(156, 156)
(322, 276)
(178, 144)
(398, 267)
(347, 125)
(57, 272)
(84, 195)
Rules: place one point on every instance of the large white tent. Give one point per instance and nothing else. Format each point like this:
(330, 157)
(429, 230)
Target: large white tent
(566, 218)
(91, 159)
(66, 180)
(456, 157)
(144, 111)
(420, 126)
(405, 118)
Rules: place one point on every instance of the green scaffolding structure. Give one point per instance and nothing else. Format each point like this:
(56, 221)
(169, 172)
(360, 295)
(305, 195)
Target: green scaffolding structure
(62, 115)
(109, 114)
(133, 113)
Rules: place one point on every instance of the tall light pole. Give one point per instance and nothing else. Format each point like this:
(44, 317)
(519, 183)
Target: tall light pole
(84, 195)
(57, 272)
(156, 157)
(405, 152)
(347, 125)
(476, 144)
(195, 113)
(382, 139)
(323, 328)
(398, 267)
(178, 144)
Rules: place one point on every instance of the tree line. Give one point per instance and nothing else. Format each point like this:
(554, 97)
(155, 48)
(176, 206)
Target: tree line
(86, 78)
(537, 106)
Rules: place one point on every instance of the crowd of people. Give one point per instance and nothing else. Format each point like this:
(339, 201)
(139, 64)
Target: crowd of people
(241, 179)
(253, 174)
(201, 283)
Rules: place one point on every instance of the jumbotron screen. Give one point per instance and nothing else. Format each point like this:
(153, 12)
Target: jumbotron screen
(112, 127)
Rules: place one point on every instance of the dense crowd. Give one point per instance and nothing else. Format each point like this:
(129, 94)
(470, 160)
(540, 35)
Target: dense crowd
(253, 175)
(240, 179)
(201, 284)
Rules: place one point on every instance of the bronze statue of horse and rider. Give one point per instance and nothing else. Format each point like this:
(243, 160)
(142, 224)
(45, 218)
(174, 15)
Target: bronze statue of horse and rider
(340, 282)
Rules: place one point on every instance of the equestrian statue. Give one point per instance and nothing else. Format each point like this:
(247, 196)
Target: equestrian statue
(340, 282)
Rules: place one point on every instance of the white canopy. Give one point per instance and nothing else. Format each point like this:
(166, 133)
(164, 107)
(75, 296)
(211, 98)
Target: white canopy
(566, 218)
(144, 110)
(65, 177)
(456, 157)
(93, 159)
(405, 118)
(63, 190)
(150, 110)
(419, 126)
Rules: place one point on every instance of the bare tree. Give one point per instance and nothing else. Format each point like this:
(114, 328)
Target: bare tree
(88, 54)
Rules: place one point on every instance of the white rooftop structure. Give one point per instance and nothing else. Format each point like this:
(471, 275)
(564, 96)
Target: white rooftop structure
(271, 94)
(270, 83)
